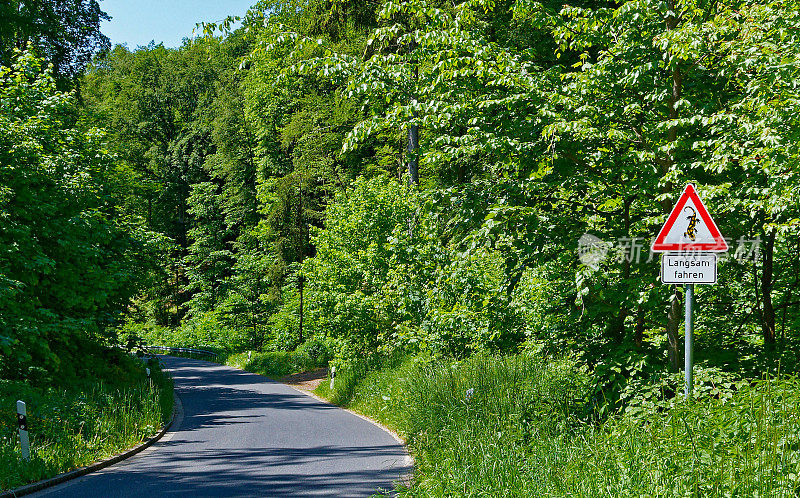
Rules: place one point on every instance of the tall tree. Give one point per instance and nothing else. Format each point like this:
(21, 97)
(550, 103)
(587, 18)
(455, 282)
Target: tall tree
(69, 263)
(65, 32)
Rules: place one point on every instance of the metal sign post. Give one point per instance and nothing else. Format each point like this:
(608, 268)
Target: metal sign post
(688, 343)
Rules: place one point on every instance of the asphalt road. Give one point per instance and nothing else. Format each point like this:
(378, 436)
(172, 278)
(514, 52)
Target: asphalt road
(240, 434)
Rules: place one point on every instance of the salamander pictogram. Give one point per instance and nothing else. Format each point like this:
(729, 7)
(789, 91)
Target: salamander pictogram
(691, 230)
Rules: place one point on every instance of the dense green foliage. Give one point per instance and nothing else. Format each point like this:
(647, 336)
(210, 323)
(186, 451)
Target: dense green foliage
(74, 426)
(414, 178)
(518, 426)
(312, 354)
(530, 127)
(274, 157)
(69, 262)
(309, 356)
(70, 258)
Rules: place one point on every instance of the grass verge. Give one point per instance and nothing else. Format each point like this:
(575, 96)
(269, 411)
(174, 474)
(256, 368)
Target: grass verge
(76, 426)
(523, 426)
(274, 364)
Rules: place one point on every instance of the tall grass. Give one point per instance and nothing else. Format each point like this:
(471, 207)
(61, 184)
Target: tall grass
(528, 430)
(70, 428)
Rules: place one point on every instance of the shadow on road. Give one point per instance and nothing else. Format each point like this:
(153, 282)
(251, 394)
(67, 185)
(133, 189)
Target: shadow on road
(210, 472)
(245, 435)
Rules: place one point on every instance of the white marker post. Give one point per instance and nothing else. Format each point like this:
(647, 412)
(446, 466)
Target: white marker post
(22, 421)
(690, 238)
(333, 376)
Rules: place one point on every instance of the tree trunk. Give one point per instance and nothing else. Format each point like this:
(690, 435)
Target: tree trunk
(767, 309)
(618, 325)
(673, 324)
(254, 304)
(300, 283)
(413, 165)
(638, 332)
(617, 328)
(302, 252)
(176, 296)
(674, 313)
(413, 144)
(413, 155)
(788, 299)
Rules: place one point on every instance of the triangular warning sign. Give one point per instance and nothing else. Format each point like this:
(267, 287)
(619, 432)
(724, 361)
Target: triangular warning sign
(689, 227)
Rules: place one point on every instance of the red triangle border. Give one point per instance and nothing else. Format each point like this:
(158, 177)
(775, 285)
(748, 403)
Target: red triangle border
(719, 244)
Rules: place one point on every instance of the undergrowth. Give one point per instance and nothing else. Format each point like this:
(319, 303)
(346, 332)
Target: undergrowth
(86, 422)
(276, 364)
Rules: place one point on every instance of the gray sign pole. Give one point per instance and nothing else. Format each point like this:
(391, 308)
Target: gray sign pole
(689, 339)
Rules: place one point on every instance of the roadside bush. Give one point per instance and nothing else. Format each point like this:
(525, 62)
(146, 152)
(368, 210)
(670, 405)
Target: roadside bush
(284, 324)
(466, 311)
(346, 278)
(133, 334)
(319, 349)
(742, 445)
(276, 364)
(70, 260)
(205, 331)
(641, 397)
(384, 280)
(546, 307)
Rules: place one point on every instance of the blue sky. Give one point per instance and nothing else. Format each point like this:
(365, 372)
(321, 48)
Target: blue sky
(136, 22)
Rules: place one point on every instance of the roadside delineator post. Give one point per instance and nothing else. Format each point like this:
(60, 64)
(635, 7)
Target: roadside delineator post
(333, 376)
(22, 421)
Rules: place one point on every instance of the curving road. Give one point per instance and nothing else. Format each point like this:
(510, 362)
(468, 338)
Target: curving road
(240, 434)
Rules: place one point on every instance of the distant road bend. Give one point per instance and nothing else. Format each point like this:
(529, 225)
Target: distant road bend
(243, 435)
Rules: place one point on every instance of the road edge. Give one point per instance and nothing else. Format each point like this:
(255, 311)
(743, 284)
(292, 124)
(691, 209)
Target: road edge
(82, 471)
(405, 479)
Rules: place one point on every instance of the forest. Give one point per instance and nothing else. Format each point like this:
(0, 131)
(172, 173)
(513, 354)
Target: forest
(399, 186)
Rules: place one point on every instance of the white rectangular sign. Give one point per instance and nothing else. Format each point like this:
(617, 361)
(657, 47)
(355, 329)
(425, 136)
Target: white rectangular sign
(689, 268)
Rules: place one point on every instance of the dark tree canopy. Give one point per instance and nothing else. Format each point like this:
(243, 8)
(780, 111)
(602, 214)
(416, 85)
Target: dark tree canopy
(66, 33)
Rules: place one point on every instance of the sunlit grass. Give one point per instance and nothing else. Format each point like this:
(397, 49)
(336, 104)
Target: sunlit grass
(527, 430)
